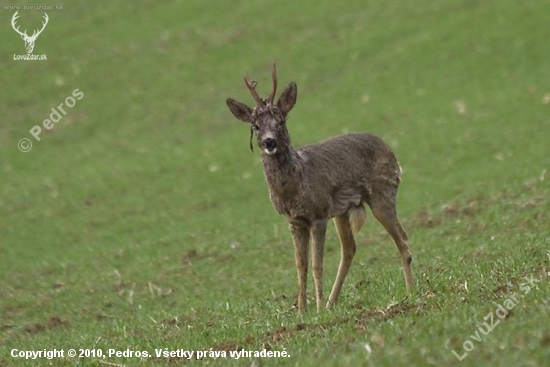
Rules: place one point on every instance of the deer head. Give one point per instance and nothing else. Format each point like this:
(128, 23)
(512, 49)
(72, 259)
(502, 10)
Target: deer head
(267, 120)
(29, 41)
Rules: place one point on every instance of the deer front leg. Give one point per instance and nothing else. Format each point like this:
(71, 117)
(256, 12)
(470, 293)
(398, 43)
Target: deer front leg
(300, 236)
(318, 231)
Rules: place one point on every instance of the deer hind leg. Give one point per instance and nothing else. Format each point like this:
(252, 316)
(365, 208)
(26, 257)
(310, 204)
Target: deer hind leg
(345, 233)
(300, 236)
(318, 231)
(383, 209)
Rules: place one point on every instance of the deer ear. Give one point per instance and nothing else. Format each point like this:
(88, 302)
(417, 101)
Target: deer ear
(287, 100)
(240, 110)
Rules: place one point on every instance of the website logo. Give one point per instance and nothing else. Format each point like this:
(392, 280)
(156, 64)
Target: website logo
(29, 40)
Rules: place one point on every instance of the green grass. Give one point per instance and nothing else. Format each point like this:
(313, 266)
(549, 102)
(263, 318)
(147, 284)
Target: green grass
(141, 221)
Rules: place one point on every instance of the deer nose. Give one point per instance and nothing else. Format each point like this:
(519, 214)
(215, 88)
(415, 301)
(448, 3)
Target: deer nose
(270, 144)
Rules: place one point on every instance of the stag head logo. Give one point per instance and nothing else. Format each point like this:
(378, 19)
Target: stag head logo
(29, 40)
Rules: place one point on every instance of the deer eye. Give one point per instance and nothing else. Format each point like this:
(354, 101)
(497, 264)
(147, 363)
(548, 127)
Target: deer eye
(255, 127)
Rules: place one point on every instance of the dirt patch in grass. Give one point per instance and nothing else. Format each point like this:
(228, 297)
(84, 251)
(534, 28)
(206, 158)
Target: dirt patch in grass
(188, 256)
(52, 323)
(227, 346)
(360, 320)
(534, 195)
(471, 208)
(424, 219)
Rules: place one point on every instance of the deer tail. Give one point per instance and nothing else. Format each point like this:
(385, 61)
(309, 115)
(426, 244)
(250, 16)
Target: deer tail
(357, 216)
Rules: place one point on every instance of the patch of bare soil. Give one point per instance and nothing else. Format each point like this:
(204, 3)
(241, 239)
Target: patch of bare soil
(52, 323)
(361, 319)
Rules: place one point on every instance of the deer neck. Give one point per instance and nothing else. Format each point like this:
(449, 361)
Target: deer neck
(283, 172)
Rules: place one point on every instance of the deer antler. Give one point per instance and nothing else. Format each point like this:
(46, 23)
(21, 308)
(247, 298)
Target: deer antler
(274, 77)
(251, 85)
(13, 19)
(36, 32)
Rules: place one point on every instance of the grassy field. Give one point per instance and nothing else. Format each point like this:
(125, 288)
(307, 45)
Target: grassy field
(141, 220)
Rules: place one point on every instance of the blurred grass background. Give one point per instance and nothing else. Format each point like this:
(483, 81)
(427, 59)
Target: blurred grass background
(141, 220)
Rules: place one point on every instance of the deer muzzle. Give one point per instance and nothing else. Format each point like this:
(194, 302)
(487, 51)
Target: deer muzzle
(270, 146)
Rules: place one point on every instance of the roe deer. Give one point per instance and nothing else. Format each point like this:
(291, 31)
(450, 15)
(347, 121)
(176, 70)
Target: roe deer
(331, 179)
